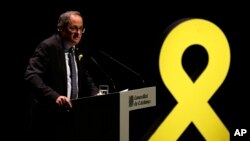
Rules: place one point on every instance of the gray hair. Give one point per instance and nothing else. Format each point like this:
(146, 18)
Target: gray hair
(63, 20)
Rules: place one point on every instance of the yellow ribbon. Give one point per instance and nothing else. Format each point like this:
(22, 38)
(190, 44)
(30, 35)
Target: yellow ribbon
(193, 97)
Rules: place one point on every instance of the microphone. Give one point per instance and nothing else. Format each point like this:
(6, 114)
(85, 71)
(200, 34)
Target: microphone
(94, 60)
(126, 67)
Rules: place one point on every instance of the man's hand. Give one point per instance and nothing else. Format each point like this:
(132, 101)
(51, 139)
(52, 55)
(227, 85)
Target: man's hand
(63, 101)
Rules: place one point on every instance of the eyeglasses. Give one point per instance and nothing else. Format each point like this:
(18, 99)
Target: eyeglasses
(75, 29)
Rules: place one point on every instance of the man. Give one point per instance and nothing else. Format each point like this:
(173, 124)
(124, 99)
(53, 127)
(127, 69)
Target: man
(49, 77)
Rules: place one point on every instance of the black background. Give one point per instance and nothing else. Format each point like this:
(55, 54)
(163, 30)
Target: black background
(131, 33)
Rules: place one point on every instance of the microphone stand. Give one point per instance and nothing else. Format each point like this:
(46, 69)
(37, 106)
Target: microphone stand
(113, 84)
(126, 67)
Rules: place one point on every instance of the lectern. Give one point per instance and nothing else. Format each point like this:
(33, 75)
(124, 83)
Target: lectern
(107, 117)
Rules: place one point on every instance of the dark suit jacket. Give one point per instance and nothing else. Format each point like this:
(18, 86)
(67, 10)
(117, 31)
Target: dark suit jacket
(46, 72)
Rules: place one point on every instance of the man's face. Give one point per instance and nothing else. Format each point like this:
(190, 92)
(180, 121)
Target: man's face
(73, 32)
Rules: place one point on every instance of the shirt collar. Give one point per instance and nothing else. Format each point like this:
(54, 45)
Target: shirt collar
(66, 48)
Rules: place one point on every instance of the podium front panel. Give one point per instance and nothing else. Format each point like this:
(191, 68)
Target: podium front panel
(97, 118)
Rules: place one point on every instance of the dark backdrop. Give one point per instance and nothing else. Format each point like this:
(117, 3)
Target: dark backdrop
(132, 34)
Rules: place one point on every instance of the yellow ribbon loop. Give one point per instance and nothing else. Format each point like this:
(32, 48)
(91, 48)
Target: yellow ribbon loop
(193, 97)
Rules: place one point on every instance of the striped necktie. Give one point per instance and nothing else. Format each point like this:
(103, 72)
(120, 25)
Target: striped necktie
(73, 73)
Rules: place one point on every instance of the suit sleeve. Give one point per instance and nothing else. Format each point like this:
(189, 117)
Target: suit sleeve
(35, 74)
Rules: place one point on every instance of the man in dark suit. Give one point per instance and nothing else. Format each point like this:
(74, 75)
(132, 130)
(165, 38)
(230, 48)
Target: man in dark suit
(49, 76)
